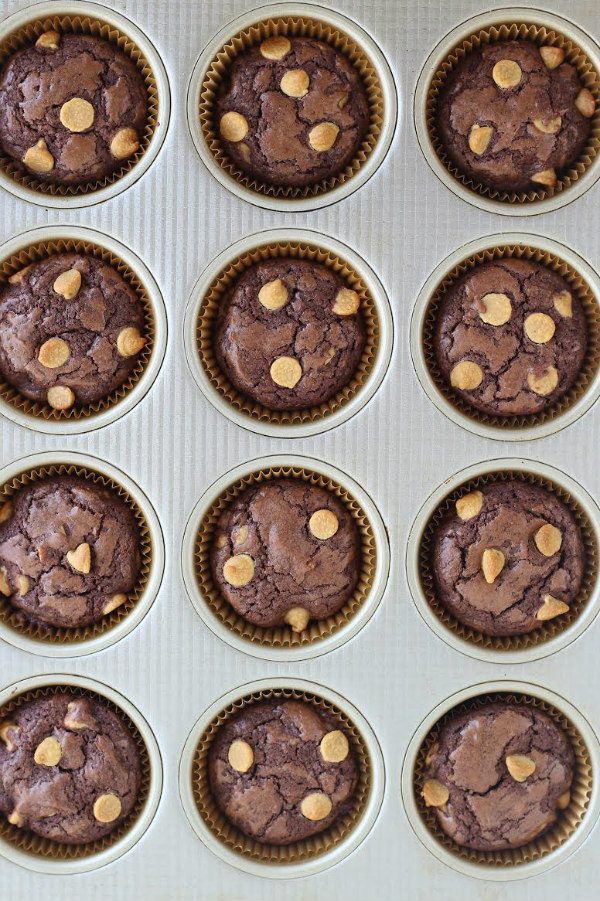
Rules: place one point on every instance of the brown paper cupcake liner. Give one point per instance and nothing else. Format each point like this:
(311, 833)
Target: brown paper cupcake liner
(579, 288)
(17, 621)
(304, 850)
(290, 26)
(43, 847)
(283, 636)
(568, 820)
(540, 35)
(33, 254)
(207, 320)
(78, 24)
(549, 629)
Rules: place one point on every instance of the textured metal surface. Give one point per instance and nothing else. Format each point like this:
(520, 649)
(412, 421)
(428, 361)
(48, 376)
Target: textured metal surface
(403, 222)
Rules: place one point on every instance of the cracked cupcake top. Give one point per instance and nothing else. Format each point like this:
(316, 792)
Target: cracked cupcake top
(508, 558)
(69, 551)
(285, 552)
(513, 115)
(498, 776)
(292, 111)
(510, 337)
(72, 108)
(281, 771)
(70, 330)
(290, 334)
(69, 768)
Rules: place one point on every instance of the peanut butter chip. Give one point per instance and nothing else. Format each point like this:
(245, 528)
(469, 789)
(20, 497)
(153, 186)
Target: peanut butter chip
(233, 127)
(286, 372)
(70, 722)
(22, 585)
(492, 564)
(129, 341)
(497, 309)
(434, 793)
(548, 126)
(15, 819)
(6, 511)
(276, 47)
(550, 608)
(479, 138)
(38, 158)
(334, 747)
(469, 505)
(507, 73)
(543, 384)
(546, 177)
(295, 83)
(552, 56)
(5, 728)
(520, 767)
(323, 136)
(48, 752)
(563, 801)
(539, 327)
(53, 353)
(107, 808)
(60, 397)
(240, 756)
(273, 295)
(4, 586)
(17, 277)
(77, 114)
(125, 143)
(68, 284)
(563, 304)
(81, 558)
(298, 618)
(241, 535)
(323, 524)
(238, 570)
(117, 600)
(346, 302)
(466, 376)
(315, 806)
(585, 103)
(548, 540)
(48, 40)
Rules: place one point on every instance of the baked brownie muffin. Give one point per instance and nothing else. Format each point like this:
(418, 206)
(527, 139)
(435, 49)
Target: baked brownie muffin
(72, 108)
(69, 551)
(292, 112)
(508, 558)
(510, 337)
(70, 330)
(69, 768)
(290, 334)
(281, 771)
(512, 115)
(286, 551)
(499, 776)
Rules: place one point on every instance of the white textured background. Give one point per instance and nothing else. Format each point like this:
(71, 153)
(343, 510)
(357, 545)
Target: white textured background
(399, 448)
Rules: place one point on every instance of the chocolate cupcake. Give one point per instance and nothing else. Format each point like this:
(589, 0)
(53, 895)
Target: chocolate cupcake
(507, 558)
(292, 112)
(69, 552)
(290, 334)
(281, 771)
(514, 115)
(510, 337)
(498, 776)
(284, 552)
(73, 108)
(71, 330)
(70, 769)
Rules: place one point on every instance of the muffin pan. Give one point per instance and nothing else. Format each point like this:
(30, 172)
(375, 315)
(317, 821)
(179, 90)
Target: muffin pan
(182, 443)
